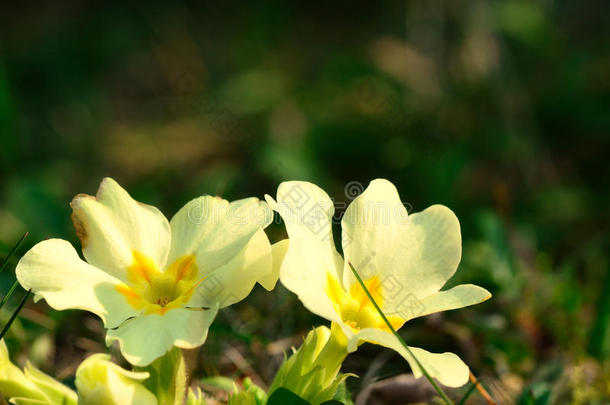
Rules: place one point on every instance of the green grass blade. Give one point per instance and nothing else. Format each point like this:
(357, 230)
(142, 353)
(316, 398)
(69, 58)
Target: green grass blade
(9, 293)
(467, 394)
(438, 389)
(14, 316)
(12, 252)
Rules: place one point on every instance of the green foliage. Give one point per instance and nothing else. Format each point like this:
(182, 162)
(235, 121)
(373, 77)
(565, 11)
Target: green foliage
(251, 394)
(282, 396)
(195, 397)
(312, 371)
(221, 382)
(167, 379)
(343, 395)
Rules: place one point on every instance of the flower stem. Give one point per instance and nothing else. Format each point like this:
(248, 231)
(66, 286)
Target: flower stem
(167, 377)
(335, 350)
(438, 389)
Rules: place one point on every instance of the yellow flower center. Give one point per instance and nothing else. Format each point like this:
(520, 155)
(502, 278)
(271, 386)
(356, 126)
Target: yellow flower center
(154, 291)
(355, 307)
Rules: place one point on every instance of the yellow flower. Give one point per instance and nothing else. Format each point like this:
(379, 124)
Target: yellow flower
(403, 259)
(155, 284)
(101, 382)
(30, 386)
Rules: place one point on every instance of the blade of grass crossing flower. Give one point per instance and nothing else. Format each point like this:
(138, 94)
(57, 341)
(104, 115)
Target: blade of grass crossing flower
(438, 389)
(467, 394)
(14, 316)
(9, 293)
(12, 252)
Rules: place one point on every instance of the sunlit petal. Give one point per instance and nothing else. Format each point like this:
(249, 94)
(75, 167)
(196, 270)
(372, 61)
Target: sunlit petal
(112, 225)
(53, 271)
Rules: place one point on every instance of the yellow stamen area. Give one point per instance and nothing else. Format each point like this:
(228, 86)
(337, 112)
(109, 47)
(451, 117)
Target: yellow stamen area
(154, 291)
(355, 307)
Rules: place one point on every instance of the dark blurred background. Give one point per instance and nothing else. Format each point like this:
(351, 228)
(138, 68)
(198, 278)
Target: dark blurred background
(499, 110)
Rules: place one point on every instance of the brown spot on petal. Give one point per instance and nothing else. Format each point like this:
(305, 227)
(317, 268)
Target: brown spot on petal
(79, 224)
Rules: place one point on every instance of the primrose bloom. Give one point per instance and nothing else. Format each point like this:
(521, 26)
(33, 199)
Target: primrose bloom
(101, 382)
(403, 259)
(155, 284)
(30, 386)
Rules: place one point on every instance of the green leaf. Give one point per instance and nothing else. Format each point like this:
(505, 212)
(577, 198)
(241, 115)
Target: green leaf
(221, 382)
(343, 395)
(259, 394)
(195, 397)
(282, 396)
(242, 398)
(599, 342)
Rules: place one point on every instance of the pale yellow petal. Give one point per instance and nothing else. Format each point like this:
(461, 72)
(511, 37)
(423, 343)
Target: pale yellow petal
(306, 210)
(311, 256)
(278, 252)
(233, 281)
(53, 271)
(446, 367)
(414, 255)
(306, 271)
(55, 392)
(215, 231)
(457, 297)
(13, 382)
(146, 338)
(101, 382)
(112, 225)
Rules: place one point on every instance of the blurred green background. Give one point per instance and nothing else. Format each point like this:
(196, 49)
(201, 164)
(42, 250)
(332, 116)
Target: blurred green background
(499, 110)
